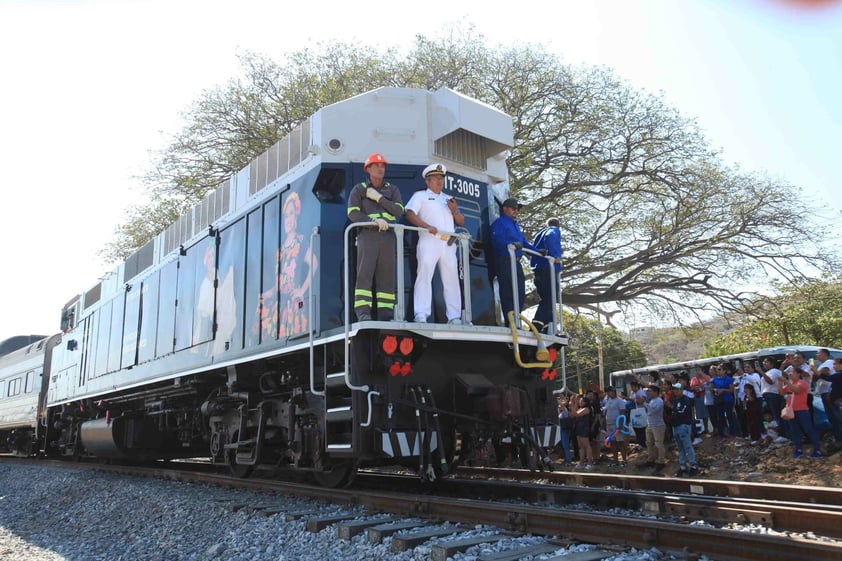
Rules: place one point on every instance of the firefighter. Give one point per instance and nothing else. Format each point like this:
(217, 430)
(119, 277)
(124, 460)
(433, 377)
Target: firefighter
(380, 202)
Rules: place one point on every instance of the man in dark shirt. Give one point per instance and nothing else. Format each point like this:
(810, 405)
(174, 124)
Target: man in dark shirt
(504, 231)
(548, 240)
(682, 427)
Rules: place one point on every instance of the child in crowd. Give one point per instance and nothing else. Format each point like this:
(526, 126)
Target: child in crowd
(753, 412)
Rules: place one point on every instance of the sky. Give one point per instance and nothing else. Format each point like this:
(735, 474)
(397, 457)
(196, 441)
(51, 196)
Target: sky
(90, 89)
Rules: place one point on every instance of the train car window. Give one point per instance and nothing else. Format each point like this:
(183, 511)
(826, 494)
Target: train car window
(166, 309)
(231, 287)
(185, 303)
(30, 381)
(131, 326)
(204, 286)
(14, 387)
(270, 270)
(148, 318)
(251, 305)
(115, 335)
(101, 343)
(329, 186)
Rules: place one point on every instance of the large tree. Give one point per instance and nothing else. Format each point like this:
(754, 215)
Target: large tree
(801, 313)
(650, 214)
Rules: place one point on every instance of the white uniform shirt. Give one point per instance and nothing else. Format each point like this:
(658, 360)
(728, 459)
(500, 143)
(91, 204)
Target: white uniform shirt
(433, 210)
(823, 386)
(754, 380)
(766, 387)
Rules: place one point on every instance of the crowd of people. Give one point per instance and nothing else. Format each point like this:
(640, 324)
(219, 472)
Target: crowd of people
(756, 402)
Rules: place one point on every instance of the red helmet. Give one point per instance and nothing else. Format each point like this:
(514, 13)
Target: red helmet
(376, 158)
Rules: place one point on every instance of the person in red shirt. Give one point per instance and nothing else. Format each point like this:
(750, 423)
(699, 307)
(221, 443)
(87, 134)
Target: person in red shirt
(797, 391)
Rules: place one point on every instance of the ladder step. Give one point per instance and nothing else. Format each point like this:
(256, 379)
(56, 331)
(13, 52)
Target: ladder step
(339, 414)
(335, 380)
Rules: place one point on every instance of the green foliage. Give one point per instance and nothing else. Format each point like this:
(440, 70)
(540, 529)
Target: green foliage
(807, 312)
(650, 215)
(582, 355)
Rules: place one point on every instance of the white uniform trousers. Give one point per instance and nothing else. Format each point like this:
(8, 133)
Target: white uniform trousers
(433, 251)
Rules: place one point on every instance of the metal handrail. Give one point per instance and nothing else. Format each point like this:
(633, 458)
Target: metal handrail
(400, 304)
(310, 306)
(555, 291)
(555, 297)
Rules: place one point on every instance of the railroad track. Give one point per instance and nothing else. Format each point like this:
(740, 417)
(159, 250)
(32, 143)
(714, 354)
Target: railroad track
(440, 512)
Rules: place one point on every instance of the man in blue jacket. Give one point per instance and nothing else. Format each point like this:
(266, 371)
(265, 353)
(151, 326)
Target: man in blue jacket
(549, 240)
(504, 231)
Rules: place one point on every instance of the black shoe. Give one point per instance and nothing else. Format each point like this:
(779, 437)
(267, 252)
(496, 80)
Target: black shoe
(693, 471)
(647, 464)
(659, 467)
(681, 473)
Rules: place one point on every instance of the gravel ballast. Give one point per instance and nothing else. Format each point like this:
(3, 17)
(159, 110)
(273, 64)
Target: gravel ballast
(53, 514)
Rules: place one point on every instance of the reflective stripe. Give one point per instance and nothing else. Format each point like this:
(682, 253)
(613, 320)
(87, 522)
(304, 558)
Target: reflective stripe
(386, 215)
(362, 292)
(384, 305)
(352, 209)
(358, 303)
(386, 296)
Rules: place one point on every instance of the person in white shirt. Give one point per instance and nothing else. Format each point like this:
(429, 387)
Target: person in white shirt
(769, 376)
(748, 377)
(823, 388)
(436, 212)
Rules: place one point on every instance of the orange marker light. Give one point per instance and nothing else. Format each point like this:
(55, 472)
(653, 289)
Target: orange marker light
(395, 369)
(406, 369)
(553, 354)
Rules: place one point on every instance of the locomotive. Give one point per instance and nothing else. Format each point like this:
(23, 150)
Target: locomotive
(231, 334)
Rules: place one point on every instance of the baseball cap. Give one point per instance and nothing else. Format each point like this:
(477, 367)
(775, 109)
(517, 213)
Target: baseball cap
(512, 203)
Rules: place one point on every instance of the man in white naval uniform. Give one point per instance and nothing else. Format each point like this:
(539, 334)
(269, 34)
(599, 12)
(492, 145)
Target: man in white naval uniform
(434, 211)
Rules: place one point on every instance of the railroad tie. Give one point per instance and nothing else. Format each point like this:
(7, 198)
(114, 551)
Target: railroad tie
(320, 523)
(377, 533)
(409, 541)
(348, 530)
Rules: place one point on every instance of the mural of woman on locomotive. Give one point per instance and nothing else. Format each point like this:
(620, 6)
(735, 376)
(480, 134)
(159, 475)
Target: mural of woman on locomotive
(282, 311)
(299, 318)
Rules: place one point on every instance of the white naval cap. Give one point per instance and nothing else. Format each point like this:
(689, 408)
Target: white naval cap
(434, 169)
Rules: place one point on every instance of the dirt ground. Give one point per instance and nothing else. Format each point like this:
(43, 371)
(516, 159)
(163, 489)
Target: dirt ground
(735, 459)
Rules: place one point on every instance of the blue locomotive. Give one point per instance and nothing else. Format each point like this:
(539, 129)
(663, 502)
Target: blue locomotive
(231, 334)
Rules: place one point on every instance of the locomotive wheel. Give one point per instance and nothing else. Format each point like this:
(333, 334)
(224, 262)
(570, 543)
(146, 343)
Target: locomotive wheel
(341, 474)
(237, 470)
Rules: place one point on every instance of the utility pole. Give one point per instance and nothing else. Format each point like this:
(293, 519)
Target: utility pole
(599, 356)
(599, 349)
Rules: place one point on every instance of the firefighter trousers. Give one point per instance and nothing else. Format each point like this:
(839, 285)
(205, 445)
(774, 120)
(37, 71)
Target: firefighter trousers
(376, 265)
